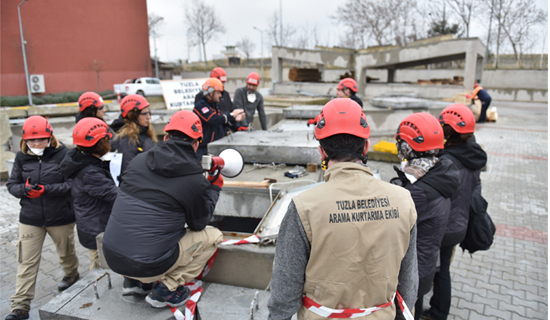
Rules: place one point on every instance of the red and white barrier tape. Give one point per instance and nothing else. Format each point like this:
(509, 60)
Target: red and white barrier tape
(252, 239)
(191, 304)
(208, 266)
(195, 286)
(353, 313)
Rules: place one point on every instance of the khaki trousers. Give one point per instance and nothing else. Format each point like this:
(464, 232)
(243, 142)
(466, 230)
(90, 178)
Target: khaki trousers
(94, 259)
(196, 247)
(29, 252)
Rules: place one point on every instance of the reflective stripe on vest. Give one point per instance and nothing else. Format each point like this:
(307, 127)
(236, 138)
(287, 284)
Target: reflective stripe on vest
(354, 313)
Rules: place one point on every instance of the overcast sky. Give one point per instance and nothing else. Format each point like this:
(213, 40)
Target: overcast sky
(240, 16)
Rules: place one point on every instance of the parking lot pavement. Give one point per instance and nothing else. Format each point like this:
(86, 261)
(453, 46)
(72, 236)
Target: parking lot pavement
(509, 281)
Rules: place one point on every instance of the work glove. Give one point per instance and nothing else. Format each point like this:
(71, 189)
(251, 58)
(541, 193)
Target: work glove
(468, 96)
(401, 179)
(34, 191)
(215, 178)
(314, 121)
(243, 128)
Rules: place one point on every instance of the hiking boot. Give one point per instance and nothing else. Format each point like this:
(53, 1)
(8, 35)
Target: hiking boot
(161, 297)
(67, 282)
(132, 287)
(18, 314)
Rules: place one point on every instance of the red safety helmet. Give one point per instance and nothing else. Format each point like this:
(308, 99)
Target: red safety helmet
(132, 102)
(89, 131)
(219, 73)
(89, 99)
(459, 117)
(186, 122)
(342, 116)
(212, 84)
(421, 131)
(36, 127)
(348, 83)
(253, 78)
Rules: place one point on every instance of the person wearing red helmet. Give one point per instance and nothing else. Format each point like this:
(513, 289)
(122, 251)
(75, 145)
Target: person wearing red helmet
(347, 88)
(225, 105)
(162, 191)
(330, 248)
(458, 124)
(215, 123)
(46, 208)
(250, 100)
(432, 181)
(137, 134)
(93, 188)
(481, 95)
(90, 104)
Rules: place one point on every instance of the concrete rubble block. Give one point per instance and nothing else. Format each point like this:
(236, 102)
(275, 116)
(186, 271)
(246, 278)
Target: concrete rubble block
(269, 146)
(302, 111)
(80, 301)
(399, 103)
(293, 125)
(233, 303)
(246, 265)
(400, 94)
(52, 110)
(15, 112)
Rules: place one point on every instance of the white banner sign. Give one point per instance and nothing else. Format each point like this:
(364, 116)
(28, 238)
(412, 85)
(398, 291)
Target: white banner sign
(180, 94)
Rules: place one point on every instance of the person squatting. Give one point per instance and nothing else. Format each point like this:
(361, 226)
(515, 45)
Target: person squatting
(353, 245)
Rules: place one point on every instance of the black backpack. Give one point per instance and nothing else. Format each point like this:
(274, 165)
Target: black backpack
(481, 229)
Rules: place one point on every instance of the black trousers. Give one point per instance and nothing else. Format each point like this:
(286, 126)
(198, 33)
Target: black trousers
(484, 107)
(440, 303)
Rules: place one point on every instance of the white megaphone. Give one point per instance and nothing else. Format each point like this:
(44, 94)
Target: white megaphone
(230, 162)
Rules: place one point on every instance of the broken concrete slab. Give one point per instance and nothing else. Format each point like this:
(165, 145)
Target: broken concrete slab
(399, 103)
(269, 146)
(400, 94)
(81, 302)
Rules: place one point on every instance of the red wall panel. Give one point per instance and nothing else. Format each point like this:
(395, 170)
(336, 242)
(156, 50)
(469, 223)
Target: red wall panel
(65, 37)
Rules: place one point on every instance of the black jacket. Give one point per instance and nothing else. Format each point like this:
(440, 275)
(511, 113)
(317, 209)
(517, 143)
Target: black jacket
(225, 105)
(117, 123)
(215, 124)
(356, 99)
(432, 198)
(161, 191)
(469, 159)
(130, 149)
(93, 191)
(55, 207)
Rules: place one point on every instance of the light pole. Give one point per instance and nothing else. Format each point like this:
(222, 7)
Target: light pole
(24, 54)
(262, 53)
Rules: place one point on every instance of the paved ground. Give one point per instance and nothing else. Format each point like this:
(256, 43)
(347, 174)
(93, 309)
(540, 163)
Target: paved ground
(510, 281)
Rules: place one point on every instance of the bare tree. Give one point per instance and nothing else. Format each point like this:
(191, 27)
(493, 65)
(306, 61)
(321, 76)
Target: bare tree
(516, 18)
(99, 66)
(203, 24)
(154, 23)
(246, 46)
(465, 10)
(376, 22)
(274, 31)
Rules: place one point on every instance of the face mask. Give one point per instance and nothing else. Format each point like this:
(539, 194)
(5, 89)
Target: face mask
(37, 151)
(251, 97)
(106, 157)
